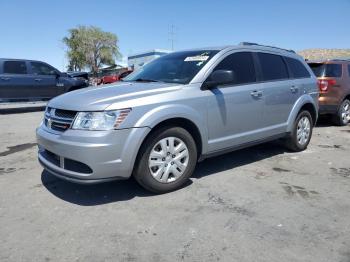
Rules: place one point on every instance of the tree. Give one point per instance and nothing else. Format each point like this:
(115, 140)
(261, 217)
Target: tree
(90, 47)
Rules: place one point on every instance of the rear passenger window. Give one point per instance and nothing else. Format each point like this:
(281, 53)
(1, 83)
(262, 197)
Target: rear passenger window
(273, 67)
(242, 65)
(326, 70)
(15, 67)
(297, 68)
(333, 70)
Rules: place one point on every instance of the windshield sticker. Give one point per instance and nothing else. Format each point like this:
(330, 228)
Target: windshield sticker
(197, 58)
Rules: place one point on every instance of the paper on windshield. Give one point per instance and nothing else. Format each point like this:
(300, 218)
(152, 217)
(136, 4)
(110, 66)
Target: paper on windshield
(198, 58)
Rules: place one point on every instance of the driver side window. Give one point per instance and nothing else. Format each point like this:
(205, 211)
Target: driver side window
(42, 69)
(242, 64)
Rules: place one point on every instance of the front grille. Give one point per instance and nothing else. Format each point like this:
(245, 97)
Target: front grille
(59, 119)
(65, 113)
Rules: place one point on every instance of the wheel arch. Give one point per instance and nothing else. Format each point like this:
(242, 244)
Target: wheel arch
(305, 102)
(178, 115)
(184, 123)
(347, 97)
(311, 109)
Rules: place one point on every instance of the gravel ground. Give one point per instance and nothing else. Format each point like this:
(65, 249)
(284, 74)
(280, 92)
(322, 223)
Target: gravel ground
(257, 204)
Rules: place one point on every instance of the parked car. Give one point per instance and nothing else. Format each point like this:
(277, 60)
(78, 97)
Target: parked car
(179, 109)
(81, 75)
(22, 80)
(125, 74)
(334, 84)
(108, 79)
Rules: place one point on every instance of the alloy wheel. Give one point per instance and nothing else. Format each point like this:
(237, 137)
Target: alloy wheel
(303, 130)
(345, 112)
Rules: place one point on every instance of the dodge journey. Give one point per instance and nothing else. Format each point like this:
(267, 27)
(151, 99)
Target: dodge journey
(177, 110)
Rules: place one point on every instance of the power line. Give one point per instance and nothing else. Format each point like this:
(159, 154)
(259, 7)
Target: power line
(171, 35)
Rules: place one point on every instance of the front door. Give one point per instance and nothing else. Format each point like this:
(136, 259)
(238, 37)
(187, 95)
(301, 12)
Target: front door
(235, 110)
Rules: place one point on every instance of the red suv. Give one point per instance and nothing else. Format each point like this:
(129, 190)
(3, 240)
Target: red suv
(334, 84)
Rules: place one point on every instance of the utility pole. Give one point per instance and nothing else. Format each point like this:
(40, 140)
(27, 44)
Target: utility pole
(171, 35)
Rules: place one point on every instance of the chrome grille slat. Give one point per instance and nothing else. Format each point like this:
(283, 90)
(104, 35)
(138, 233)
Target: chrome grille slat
(62, 121)
(59, 119)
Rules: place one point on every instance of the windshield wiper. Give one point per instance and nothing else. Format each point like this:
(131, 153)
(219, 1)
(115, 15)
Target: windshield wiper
(145, 80)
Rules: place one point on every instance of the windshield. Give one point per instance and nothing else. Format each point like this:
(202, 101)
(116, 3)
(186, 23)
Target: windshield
(178, 67)
(326, 70)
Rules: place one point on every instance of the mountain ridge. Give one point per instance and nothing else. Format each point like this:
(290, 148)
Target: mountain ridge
(325, 53)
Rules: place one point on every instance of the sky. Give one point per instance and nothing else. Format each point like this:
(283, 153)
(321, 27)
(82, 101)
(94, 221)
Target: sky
(34, 29)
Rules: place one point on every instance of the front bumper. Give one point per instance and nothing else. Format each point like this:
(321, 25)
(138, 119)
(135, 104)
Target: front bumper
(89, 156)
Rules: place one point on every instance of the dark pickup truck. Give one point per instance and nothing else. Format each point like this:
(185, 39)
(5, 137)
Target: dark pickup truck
(29, 80)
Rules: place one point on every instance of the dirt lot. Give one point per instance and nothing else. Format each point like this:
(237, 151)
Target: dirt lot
(257, 204)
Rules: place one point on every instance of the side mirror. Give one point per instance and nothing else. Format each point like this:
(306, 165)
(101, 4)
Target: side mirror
(56, 74)
(219, 77)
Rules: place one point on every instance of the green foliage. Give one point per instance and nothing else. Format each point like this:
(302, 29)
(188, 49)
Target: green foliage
(90, 47)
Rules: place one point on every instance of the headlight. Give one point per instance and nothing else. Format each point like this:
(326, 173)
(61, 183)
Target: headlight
(106, 120)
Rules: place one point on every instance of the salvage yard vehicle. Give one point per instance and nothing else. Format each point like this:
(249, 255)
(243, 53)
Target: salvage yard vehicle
(108, 79)
(177, 110)
(334, 84)
(29, 80)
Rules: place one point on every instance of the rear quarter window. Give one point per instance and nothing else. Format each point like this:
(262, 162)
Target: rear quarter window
(297, 68)
(326, 70)
(15, 67)
(273, 67)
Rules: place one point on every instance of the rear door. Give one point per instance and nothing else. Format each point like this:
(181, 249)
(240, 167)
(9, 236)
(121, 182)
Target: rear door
(279, 95)
(44, 79)
(300, 77)
(235, 110)
(15, 83)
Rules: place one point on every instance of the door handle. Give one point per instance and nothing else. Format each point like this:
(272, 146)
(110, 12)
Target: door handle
(5, 78)
(256, 93)
(37, 79)
(294, 89)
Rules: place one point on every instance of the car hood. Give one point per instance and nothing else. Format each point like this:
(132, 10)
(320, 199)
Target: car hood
(78, 74)
(99, 98)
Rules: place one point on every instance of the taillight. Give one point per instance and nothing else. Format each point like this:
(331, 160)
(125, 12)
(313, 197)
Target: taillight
(325, 84)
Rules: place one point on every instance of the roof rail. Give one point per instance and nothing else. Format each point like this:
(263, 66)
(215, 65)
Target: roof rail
(339, 59)
(327, 60)
(250, 44)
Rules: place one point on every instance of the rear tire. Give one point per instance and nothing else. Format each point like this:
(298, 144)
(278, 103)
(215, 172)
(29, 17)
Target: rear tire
(301, 134)
(166, 160)
(342, 117)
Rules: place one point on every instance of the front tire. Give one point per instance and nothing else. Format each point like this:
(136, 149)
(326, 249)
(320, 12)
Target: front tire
(342, 118)
(166, 160)
(301, 134)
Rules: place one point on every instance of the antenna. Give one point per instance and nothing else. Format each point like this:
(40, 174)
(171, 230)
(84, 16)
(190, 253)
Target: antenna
(171, 35)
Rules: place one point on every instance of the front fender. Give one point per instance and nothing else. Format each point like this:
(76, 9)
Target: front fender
(166, 112)
(304, 99)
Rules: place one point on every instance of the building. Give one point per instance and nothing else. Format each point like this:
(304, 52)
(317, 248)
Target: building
(137, 60)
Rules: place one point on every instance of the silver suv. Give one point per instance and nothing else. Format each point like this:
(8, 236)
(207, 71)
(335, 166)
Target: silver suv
(177, 110)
